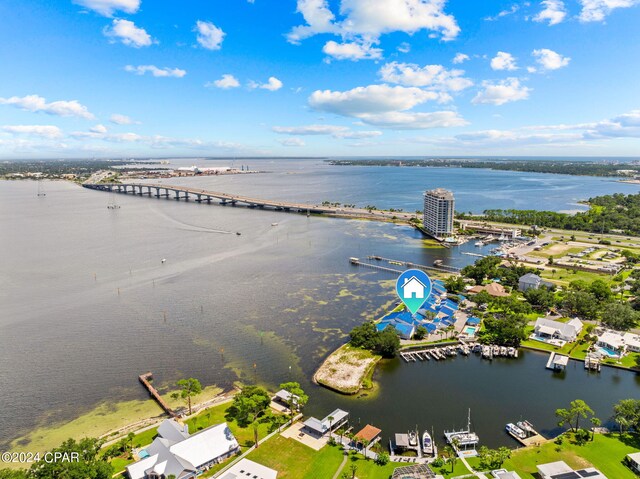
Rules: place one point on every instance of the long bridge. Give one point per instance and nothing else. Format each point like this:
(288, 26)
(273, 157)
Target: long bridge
(225, 199)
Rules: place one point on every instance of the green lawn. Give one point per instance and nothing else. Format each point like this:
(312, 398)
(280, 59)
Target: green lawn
(631, 361)
(605, 453)
(294, 460)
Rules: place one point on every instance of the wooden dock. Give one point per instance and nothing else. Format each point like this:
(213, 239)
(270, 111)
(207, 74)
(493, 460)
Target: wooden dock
(534, 438)
(145, 380)
(442, 268)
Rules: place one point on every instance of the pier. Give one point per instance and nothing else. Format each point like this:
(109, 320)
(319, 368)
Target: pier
(145, 380)
(557, 362)
(533, 437)
(440, 268)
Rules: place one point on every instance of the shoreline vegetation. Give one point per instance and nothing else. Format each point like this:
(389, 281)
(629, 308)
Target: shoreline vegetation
(559, 167)
(347, 370)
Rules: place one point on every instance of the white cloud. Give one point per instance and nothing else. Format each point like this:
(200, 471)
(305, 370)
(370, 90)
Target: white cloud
(126, 32)
(404, 47)
(550, 60)
(209, 36)
(36, 103)
(504, 13)
(42, 131)
(369, 99)
(400, 120)
(503, 61)
(352, 51)
(434, 77)
(368, 20)
(597, 10)
(336, 131)
(98, 129)
(227, 81)
(291, 141)
(108, 7)
(502, 92)
(460, 58)
(155, 71)
(118, 119)
(272, 84)
(553, 12)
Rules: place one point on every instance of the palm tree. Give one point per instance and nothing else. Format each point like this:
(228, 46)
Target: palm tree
(354, 469)
(365, 445)
(451, 456)
(596, 422)
(330, 424)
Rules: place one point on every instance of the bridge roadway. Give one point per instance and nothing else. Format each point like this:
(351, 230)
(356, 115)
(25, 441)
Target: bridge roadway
(183, 192)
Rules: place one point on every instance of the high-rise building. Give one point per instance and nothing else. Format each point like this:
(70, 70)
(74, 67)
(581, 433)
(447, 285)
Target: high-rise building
(439, 206)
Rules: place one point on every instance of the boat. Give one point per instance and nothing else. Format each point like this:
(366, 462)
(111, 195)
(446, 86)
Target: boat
(163, 260)
(478, 243)
(427, 443)
(516, 431)
(525, 426)
(238, 233)
(464, 439)
(512, 352)
(503, 351)
(495, 350)
(413, 439)
(274, 224)
(477, 348)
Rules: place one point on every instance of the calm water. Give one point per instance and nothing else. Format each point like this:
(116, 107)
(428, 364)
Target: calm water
(281, 297)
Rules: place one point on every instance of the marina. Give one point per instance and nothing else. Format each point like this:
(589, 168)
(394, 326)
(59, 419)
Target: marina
(443, 351)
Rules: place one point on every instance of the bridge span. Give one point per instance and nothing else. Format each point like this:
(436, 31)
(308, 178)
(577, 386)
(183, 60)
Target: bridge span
(225, 199)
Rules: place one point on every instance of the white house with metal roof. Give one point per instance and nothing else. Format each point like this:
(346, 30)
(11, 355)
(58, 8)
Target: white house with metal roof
(175, 452)
(548, 328)
(332, 421)
(561, 470)
(246, 469)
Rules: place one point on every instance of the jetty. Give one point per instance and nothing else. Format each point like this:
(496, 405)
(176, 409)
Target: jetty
(439, 267)
(356, 262)
(532, 437)
(146, 379)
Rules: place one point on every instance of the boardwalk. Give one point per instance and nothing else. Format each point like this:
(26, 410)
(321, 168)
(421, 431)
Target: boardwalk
(145, 380)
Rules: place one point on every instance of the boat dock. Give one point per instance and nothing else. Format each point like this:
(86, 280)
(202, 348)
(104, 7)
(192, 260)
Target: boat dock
(443, 351)
(443, 268)
(357, 262)
(145, 380)
(557, 362)
(592, 363)
(533, 437)
(464, 441)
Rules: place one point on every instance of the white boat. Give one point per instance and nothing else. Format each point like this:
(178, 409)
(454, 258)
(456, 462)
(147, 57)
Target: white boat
(524, 426)
(503, 351)
(516, 431)
(274, 224)
(413, 439)
(478, 243)
(427, 443)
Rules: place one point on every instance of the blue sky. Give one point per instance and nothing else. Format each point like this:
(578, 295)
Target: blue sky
(113, 78)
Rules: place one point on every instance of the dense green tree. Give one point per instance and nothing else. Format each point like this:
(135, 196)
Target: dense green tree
(493, 458)
(482, 269)
(578, 409)
(248, 406)
(626, 413)
(90, 464)
(13, 474)
(507, 331)
(454, 284)
(541, 298)
(366, 336)
(298, 398)
(421, 332)
(581, 303)
(600, 290)
(619, 316)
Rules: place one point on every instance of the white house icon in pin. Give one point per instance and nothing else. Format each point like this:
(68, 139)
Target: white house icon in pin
(413, 288)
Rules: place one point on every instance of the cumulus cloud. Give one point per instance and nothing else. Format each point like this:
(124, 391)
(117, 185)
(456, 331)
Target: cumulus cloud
(127, 33)
(109, 7)
(352, 51)
(400, 120)
(36, 103)
(42, 131)
(291, 141)
(272, 84)
(119, 119)
(550, 60)
(553, 12)
(227, 81)
(209, 36)
(504, 91)
(597, 10)
(460, 58)
(336, 131)
(404, 47)
(155, 71)
(503, 61)
(434, 77)
(99, 128)
(368, 20)
(503, 13)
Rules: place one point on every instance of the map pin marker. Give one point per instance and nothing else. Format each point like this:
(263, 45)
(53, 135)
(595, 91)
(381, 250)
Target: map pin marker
(413, 288)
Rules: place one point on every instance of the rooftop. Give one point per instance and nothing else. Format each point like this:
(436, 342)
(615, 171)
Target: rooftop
(368, 433)
(246, 469)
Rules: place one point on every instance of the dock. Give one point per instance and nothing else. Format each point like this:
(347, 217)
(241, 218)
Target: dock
(357, 262)
(592, 363)
(557, 362)
(145, 380)
(534, 438)
(442, 268)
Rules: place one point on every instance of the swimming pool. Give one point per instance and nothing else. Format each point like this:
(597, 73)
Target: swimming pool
(142, 454)
(609, 352)
(470, 330)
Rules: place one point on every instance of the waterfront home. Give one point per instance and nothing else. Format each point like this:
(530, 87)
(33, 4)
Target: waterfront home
(175, 452)
(369, 433)
(545, 329)
(284, 398)
(560, 470)
(494, 289)
(404, 330)
(319, 427)
(246, 469)
(633, 461)
(616, 344)
(532, 281)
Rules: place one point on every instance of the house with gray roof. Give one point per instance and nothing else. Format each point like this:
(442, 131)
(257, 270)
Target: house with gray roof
(318, 427)
(550, 329)
(175, 452)
(532, 281)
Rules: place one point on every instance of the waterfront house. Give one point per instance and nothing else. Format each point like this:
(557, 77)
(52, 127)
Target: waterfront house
(532, 281)
(618, 343)
(560, 470)
(413, 288)
(369, 433)
(175, 452)
(550, 329)
(319, 427)
(633, 461)
(284, 398)
(246, 469)
(494, 289)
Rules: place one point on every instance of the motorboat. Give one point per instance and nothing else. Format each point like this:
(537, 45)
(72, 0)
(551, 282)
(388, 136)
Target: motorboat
(274, 224)
(525, 426)
(413, 439)
(478, 243)
(427, 443)
(516, 431)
